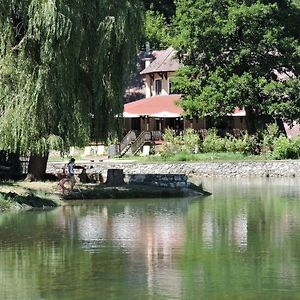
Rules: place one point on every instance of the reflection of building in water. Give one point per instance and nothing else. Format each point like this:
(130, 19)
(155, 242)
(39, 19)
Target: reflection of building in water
(240, 230)
(208, 230)
(67, 219)
(163, 237)
(149, 240)
(92, 228)
(125, 230)
(237, 230)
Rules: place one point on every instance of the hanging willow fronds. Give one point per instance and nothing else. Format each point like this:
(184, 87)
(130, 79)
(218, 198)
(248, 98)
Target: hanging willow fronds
(62, 62)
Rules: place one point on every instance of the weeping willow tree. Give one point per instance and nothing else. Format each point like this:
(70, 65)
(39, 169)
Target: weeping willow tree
(63, 70)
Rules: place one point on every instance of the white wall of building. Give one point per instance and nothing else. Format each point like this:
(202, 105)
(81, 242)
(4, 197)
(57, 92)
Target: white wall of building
(150, 84)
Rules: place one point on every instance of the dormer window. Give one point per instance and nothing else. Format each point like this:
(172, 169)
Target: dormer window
(158, 86)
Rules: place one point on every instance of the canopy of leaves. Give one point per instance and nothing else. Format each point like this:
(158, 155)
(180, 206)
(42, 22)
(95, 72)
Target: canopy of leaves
(164, 7)
(157, 30)
(158, 23)
(239, 53)
(63, 69)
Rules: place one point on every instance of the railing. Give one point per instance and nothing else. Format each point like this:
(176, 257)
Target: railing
(126, 142)
(156, 135)
(144, 137)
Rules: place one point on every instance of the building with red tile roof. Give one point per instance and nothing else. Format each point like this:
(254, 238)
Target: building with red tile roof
(160, 108)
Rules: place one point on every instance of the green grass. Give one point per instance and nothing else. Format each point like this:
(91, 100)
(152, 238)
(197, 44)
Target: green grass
(182, 156)
(63, 158)
(5, 202)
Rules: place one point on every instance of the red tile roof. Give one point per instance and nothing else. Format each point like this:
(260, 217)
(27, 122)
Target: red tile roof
(154, 105)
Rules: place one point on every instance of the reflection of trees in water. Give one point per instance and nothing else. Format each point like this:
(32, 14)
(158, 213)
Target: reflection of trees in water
(248, 232)
(147, 234)
(201, 248)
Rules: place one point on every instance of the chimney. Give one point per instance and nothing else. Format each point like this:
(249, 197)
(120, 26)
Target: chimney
(148, 56)
(148, 52)
(148, 61)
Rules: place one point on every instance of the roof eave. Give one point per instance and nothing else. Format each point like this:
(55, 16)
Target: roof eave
(158, 71)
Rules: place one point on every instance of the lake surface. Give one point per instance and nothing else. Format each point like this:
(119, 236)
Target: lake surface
(243, 242)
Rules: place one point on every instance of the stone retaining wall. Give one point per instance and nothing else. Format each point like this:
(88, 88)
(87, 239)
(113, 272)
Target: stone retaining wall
(288, 168)
(162, 180)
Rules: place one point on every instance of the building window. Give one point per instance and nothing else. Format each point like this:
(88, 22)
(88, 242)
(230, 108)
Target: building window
(158, 86)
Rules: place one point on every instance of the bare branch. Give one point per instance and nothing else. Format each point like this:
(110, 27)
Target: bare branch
(17, 47)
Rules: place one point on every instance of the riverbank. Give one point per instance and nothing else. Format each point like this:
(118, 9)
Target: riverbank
(25, 195)
(194, 171)
(15, 201)
(16, 195)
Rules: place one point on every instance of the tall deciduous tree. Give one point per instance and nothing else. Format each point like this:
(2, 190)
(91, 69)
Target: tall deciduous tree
(164, 7)
(158, 23)
(157, 30)
(240, 53)
(63, 69)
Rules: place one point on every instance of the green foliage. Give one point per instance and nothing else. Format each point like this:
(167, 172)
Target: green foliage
(5, 202)
(183, 147)
(273, 146)
(187, 142)
(235, 55)
(191, 141)
(269, 137)
(63, 66)
(285, 148)
(171, 145)
(157, 30)
(242, 144)
(278, 146)
(213, 143)
(180, 156)
(164, 7)
(169, 135)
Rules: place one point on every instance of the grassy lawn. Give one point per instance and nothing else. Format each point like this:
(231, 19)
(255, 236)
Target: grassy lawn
(14, 194)
(198, 157)
(63, 158)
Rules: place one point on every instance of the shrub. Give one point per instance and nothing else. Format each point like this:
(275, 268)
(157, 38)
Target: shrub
(188, 142)
(269, 136)
(244, 144)
(230, 143)
(169, 135)
(172, 144)
(284, 148)
(191, 141)
(212, 142)
(252, 145)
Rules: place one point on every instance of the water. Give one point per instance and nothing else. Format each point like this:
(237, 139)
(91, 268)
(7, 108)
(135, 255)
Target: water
(241, 243)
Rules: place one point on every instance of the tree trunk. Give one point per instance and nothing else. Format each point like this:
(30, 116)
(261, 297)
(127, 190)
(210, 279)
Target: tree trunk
(115, 177)
(250, 120)
(14, 161)
(280, 125)
(37, 167)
